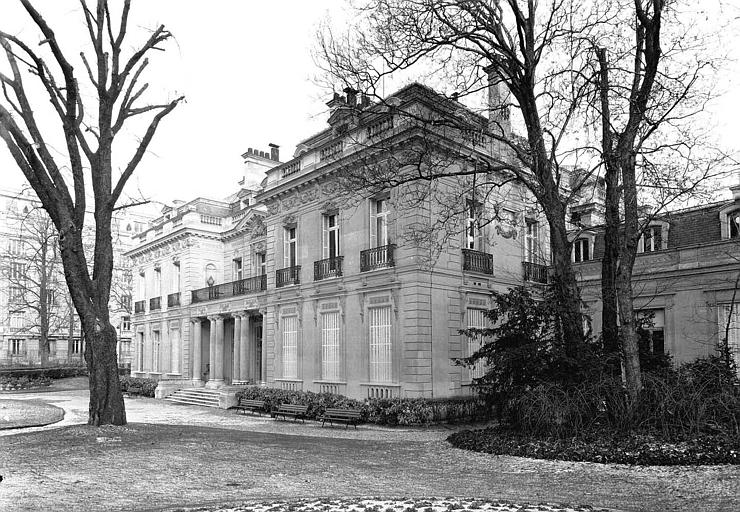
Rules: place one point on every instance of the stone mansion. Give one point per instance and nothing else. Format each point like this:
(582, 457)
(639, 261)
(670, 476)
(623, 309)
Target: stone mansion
(288, 284)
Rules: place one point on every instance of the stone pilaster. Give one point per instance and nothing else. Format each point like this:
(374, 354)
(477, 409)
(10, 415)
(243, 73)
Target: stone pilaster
(246, 356)
(196, 336)
(238, 319)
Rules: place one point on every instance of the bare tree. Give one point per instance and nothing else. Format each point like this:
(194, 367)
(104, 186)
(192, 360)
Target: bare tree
(649, 91)
(32, 268)
(529, 50)
(62, 182)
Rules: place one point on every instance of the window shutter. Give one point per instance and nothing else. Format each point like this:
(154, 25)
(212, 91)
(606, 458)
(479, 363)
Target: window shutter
(325, 236)
(373, 225)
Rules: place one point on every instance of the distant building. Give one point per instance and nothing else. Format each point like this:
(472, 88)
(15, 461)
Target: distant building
(20, 215)
(285, 285)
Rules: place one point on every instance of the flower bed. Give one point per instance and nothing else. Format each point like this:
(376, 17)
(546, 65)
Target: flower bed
(603, 446)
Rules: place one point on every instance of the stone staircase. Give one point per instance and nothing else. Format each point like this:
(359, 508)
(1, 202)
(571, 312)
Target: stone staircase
(195, 396)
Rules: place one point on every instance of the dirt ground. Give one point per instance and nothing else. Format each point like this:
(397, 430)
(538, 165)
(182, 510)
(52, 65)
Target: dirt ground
(173, 456)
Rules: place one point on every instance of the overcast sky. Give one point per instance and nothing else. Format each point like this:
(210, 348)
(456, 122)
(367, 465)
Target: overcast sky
(246, 70)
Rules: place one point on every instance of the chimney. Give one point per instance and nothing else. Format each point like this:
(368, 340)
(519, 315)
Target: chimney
(499, 98)
(351, 96)
(274, 152)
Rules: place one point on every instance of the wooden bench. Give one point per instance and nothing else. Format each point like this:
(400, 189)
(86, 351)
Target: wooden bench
(346, 416)
(245, 405)
(297, 412)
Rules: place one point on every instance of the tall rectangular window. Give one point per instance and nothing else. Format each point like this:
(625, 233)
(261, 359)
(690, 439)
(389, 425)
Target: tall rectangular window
(16, 270)
(379, 223)
(476, 318)
(381, 345)
(582, 250)
(125, 323)
(651, 329)
(238, 270)
(290, 248)
(15, 295)
(17, 320)
(290, 347)
(260, 264)
(157, 340)
(532, 242)
(331, 236)
(330, 346)
(16, 346)
(15, 246)
(157, 282)
(652, 239)
(473, 231)
(176, 277)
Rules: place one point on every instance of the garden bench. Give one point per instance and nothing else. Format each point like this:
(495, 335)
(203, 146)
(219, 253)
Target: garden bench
(134, 390)
(346, 416)
(245, 405)
(297, 412)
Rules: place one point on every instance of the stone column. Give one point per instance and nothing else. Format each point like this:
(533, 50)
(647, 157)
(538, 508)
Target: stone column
(212, 351)
(245, 354)
(195, 335)
(236, 374)
(219, 362)
(175, 341)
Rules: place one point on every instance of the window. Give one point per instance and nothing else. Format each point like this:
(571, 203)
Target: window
(16, 346)
(532, 242)
(651, 240)
(157, 282)
(290, 246)
(261, 265)
(730, 326)
(176, 276)
(475, 318)
(15, 246)
(379, 223)
(17, 320)
(651, 330)
(473, 232)
(138, 227)
(330, 346)
(157, 340)
(126, 302)
(238, 271)
(733, 219)
(76, 346)
(290, 347)
(15, 295)
(381, 345)
(581, 250)
(50, 298)
(142, 285)
(16, 270)
(331, 235)
(125, 323)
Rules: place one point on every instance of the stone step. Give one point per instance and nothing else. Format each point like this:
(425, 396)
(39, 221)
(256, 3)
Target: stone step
(202, 397)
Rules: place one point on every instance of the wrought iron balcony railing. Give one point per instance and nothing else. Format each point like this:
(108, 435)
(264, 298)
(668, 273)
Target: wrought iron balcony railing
(139, 306)
(535, 272)
(288, 276)
(230, 289)
(477, 261)
(377, 257)
(155, 303)
(329, 267)
(173, 300)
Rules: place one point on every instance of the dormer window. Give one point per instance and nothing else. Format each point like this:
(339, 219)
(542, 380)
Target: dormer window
(582, 250)
(651, 240)
(733, 219)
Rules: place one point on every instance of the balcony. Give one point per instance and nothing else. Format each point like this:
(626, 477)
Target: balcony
(477, 261)
(155, 303)
(139, 306)
(325, 269)
(288, 276)
(173, 300)
(377, 257)
(535, 273)
(231, 289)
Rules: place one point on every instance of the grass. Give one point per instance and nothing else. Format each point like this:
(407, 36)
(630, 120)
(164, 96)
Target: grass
(24, 413)
(144, 466)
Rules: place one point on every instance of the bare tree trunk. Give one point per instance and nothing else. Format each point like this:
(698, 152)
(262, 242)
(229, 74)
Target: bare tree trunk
(106, 400)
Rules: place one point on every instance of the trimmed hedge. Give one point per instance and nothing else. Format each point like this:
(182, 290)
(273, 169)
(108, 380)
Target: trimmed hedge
(140, 386)
(381, 411)
(54, 372)
(23, 382)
